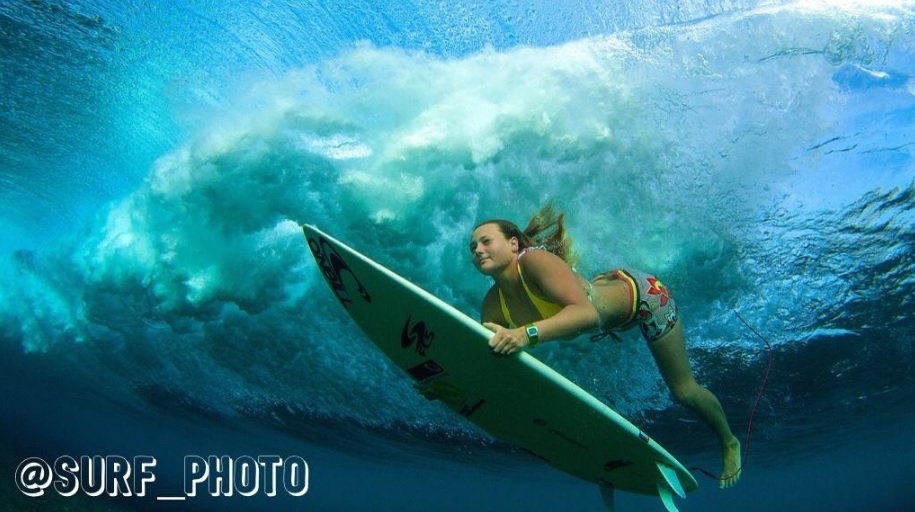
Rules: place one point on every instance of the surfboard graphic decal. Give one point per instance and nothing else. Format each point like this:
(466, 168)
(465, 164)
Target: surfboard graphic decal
(427, 370)
(418, 334)
(332, 266)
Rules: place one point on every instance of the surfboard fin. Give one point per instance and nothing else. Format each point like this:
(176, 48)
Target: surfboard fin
(606, 492)
(667, 498)
(670, 485)
(670, 476)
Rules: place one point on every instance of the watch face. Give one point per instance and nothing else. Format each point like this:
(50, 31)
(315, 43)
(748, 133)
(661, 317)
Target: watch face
(533, 335)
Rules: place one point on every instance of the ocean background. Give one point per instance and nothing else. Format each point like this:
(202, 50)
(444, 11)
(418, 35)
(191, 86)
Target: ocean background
(157, 297)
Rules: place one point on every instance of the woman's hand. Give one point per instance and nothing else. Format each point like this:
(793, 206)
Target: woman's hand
(506, 341)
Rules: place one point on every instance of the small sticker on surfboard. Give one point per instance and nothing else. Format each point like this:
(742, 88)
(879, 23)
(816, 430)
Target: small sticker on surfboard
(426, 371)
(469, 409)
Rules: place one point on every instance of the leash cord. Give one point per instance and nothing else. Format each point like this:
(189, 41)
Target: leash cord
(759, 392)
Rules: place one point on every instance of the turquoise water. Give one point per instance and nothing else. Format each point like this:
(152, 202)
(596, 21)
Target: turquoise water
(157, 296)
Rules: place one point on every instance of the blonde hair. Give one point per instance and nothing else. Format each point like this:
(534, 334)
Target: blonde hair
(544, 229)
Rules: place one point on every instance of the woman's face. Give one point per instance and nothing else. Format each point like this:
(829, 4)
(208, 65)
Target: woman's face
(490, 250)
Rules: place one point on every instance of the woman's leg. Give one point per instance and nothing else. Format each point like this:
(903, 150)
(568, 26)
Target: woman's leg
(669, 353)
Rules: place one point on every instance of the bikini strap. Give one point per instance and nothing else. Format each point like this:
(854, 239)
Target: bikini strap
(605, 333)
(505, 313)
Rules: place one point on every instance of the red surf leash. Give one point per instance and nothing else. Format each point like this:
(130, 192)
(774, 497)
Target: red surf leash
(759, 392)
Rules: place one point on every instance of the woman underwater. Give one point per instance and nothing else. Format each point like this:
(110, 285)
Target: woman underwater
(537, 297)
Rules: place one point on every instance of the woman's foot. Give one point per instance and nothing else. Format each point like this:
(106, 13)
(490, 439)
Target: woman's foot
(730, 455)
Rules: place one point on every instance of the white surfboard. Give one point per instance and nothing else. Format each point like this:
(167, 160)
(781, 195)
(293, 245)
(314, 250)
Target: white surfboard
(515, 398)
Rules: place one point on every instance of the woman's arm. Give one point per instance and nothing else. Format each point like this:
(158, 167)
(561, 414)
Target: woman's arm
(551, 278)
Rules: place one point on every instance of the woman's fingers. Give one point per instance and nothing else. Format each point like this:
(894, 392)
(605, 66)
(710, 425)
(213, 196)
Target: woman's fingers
(505, 341)
(496, 340)
(492, 327)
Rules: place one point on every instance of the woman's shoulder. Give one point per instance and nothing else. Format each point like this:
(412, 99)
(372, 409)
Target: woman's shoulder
(536, 258)
(539, 266)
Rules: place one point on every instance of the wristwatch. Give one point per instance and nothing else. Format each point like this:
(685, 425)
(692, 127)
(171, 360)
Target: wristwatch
(533, 334)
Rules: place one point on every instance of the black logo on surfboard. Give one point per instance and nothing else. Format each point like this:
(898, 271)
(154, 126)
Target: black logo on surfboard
(332, 267)
(418, 334)
(613, 465)
(426, 370)
(468, 409)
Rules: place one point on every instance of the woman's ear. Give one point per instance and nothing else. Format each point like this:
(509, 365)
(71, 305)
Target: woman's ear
(514, 243)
